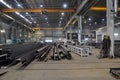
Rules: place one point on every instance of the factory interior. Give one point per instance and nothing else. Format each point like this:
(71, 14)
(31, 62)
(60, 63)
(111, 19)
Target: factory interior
(59, 39)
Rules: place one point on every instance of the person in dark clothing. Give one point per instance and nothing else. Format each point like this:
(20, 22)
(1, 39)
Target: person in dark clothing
(106, 46)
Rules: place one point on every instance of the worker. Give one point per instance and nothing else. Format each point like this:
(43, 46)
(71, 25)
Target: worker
(106, 46)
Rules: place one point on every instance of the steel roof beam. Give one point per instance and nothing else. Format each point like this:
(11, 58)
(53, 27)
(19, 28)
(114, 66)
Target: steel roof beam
(100, 8)
(50, 10)
(38, 28)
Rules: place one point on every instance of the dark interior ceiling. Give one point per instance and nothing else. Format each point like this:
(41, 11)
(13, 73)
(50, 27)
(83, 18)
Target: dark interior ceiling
(98, 18)
(95, 19)
(43, 19)
(55, 19)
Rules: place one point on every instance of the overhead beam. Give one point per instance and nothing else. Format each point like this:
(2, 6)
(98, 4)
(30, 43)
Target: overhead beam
(100, 8)
(50, 10)
(37, 28)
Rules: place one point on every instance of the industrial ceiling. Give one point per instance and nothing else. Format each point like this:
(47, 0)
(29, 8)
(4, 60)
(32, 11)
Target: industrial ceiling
(42, 18)
(51, 13)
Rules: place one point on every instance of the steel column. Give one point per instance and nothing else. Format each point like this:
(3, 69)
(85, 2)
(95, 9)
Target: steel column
(79, 28)
(116, 7)
(70, 33)
(110, 23)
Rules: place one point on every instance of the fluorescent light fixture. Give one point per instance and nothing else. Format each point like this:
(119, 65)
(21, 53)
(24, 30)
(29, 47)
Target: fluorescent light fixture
(62, 14)
(2, 31)
(116, 34)
(23, 17)
(9, 17)
(3, 2)
(64, 5)
(41, 6)
(18, 4)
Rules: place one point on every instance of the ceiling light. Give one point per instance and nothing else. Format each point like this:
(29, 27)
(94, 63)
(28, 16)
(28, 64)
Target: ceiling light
(41, 6)
(45, 18)
(26, 13)
(47, 22)
(18, 5)
(103, 19)
(62, 13)
(89, 19)
(64, 5)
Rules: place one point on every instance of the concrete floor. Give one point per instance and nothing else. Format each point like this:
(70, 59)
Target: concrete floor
(80, 68)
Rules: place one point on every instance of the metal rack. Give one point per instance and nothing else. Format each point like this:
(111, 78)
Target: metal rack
(82, 51)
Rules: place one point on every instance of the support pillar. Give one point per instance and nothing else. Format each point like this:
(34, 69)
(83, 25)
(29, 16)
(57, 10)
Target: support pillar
(13, 35)
(17, 34)
(70, 33)
(110, 23)
(27, 35)
(22, 34)
(79, 28)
